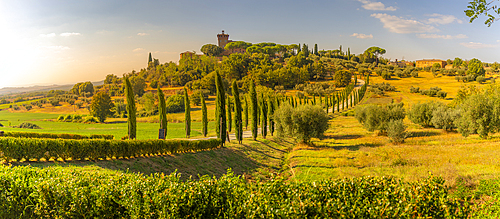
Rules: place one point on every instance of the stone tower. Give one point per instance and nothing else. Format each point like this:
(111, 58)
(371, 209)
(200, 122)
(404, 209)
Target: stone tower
(223, 39)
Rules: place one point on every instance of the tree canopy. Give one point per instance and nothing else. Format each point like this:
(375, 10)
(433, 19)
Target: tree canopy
(375, 51)
(211, 50)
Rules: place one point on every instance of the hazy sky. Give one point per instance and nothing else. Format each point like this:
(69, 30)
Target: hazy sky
(63, 42)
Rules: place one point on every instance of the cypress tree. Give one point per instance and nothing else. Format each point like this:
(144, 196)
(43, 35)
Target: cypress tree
(255, 109)
(131, 121)
(296, 102)
(228, 114)
(299, 48)
(292, 102)
(314, 99)
(204, 116)
(271, 104)
(264, 116)
(220, 112)
(327, 105)
(245, 112)
(150, 58)
(238, 123)
(320, 100)
(162, 109)
(300, 101)
(348, 53)
(187, 113)
(338, 102)
(316, 49)
(343, 101)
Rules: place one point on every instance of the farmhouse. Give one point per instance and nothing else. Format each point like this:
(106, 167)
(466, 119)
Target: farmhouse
(400, 64)
(429, 62)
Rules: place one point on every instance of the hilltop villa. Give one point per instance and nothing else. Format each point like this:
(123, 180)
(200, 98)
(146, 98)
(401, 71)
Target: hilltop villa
(429, 62)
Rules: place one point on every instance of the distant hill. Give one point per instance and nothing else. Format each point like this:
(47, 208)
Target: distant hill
(67, 87)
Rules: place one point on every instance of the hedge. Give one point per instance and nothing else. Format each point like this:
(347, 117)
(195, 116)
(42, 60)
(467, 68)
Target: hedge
(93, 149)
(52, 135)
(71, 192)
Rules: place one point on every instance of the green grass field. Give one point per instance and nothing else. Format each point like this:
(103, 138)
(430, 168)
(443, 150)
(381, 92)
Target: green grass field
(115, 127)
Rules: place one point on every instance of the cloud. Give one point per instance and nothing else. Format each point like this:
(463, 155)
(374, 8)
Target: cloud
(48, 35)
(473, 45)
(137, 50)
(362, 36)
(69, 34)
(375, 6)
(442, 19)
(142, 34)
(446, 37)
(401, 25)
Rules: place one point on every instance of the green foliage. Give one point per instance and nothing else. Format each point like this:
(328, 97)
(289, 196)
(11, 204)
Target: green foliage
(342, 78)
(187, 113)
(55, 136)
(237, 113)
(479, 115)
(228, 114)
(37, 148)
(263, 114)
(374, 117)
(444, 117)
(204, 116)
(162, 109)
(396, 131)
(131, 110)
(175, 103)
(421, 113)
(475, 68)
(220, 112)
(481, 79)
(138, 84)
(255, 109)
(57, 192)
(480, 7)
(101, 106)
(245, 112)
(27, 125)
(211, 50)
(303, 122)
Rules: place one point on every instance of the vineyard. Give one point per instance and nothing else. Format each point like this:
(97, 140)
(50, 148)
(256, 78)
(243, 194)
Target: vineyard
(29, 192)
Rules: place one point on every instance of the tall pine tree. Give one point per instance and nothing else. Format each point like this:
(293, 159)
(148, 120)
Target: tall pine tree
(162, 109)
(238, 123)
(131, 110)
(204, 115)
(255, 109)
(270, 112)
(187, 111)
(220, 112)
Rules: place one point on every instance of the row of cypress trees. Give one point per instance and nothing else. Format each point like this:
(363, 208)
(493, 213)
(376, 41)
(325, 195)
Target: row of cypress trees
(261, 110)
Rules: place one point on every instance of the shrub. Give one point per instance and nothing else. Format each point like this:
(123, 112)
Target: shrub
(414, 89)
(414, 74)
(90, 119)
(481, 79)
(478, 116)
(421, 113)
(386, 75)
(60, 118)
(55, 136)
(384, 86)
(303, 122)
(175, 104)
(396, 131)
(374, 117)
(441, 94)
(27, 125)
(68, 118)
(444, 117)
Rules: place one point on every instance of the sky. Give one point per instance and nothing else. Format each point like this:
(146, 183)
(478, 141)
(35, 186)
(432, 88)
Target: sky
(64, 41)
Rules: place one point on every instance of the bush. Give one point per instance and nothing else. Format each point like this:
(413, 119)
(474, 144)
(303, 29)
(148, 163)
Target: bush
(386, 75)
(37, 148)
(374, 117)
(414, 74)
(68, 118)
(90, 119)
(396, 131)
(27, 125)
(303, 122)
(384, 86)
(414, 89)
(441, 94)
(175, 104)
(444, 117)
(481, 79)
(60, 118)
(421, 113)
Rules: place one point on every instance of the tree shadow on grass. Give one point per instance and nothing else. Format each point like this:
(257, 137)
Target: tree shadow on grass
(193, 164)
(424, 133)
(331, 145)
